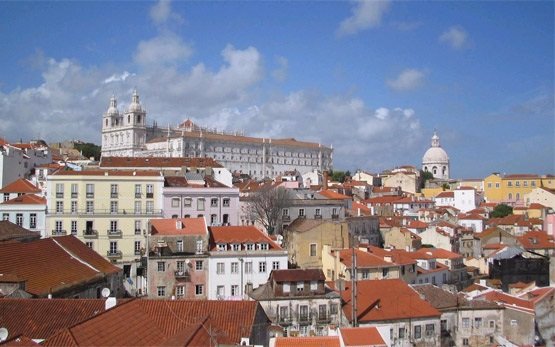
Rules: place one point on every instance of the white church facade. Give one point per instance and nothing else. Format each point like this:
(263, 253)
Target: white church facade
(128, 135)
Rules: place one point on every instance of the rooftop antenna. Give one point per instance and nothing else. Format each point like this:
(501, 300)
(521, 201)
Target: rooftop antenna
(3, 334)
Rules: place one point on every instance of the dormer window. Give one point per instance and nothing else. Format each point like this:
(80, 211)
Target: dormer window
(236, 247)
(222, 247)
(250, 246)
(286, 287)
(263, 246)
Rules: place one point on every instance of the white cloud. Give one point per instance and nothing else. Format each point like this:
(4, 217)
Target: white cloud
(161, 13)
(280, 73)
(456, 37)
(166, 48)
(117, 78)
(366, 14)
(408, 79)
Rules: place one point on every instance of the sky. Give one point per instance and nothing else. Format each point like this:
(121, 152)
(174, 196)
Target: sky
(373, 79)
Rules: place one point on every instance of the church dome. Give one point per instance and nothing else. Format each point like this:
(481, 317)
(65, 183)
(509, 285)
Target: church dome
(135, 105)
(113, 109)
(435, 155)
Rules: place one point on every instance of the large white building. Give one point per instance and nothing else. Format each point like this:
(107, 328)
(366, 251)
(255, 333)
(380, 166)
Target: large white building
(436, 160)
(127, 134)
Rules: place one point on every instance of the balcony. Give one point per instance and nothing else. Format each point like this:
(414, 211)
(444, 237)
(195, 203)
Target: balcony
(90, 195)
(59, 195)
(114, 195)
(284, 320)
(108, 212)
(90, 234)
(334, 216)
(317, 216)
(304, 317)
(322, 318)
(137, 195)
(114, 233)
(149, 195)
(182, 275)
(73, 195)
(286, 218)
(114, 254)
(59, 232)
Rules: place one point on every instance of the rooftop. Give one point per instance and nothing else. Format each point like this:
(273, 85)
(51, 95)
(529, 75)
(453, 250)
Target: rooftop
(20, 186)
(182, 226)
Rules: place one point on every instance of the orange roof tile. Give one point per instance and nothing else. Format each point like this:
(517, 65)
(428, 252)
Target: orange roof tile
(308, 341)
(439, 253)
(362, 336)
(536, 239)
(508, 300)
(536, 206)
(386, 300)
(20, 186)
(182, 226)
(26, 199)
(33, 261)
(239, 234)
(363, 259)
(296, 275)
(330, 194)
(445, 195)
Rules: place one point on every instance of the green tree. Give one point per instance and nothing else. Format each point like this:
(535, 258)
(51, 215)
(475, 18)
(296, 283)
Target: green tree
(339, 176)
(89, 150)
(425, 176)
(501, 211)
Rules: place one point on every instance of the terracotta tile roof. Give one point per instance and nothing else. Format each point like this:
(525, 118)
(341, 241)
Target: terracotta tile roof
(398, 256)
(50, 166)
(537, 294)
(363, 259)
(11, 231)
(416, 224)
(30, 261)
(445, 195)
(362, 336)
(471, 217)
(26, 199)
(183, 226)
(106, 173)
(308, 341)
(388, 199)
(465, 188)
(445, 300)
(20, 186)
(507, 300)
(473, 287)
(330, 194)
(165, 323)
(536, 206)
(20, 341)
(536, 239)
(158, 162)
(41, 318)
(296, 275)
(363, 208)
(514, 176)
(239, 234)
(439, 253)
(386, 300)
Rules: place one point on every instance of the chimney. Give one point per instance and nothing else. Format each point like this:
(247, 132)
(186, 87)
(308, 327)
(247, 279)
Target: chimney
(358, 212)
(325, 180)
(178, 224)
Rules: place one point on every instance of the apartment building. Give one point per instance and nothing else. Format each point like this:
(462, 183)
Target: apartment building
(108, 211)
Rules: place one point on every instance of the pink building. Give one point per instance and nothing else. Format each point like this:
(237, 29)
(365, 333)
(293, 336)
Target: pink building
(201, 197)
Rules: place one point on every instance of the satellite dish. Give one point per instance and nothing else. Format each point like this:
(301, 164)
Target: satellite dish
(3, 334)
(110, 302)
(105, 292)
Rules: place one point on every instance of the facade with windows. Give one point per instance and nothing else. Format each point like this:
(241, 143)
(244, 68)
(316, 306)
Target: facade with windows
(27, 211)
(178, 259)
(241, 257)
(299, 301)
(217, 203)
(109, 211)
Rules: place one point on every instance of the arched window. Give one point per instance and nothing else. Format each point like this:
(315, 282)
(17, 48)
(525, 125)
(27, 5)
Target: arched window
(106, 122)
(128, 119)
(510, 196)
(517, 196)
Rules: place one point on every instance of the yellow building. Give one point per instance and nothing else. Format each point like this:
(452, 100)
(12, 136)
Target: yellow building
(511, 189)
(107, 210)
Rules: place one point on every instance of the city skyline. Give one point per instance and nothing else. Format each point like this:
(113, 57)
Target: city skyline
(373, 79)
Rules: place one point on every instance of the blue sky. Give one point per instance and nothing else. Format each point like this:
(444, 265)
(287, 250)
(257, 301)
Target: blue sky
(373, 79)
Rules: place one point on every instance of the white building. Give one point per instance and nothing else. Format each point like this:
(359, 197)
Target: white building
(466, 199)
(436, 160)
(127, 134)
(27, 211)
(17, 160)
(240, 257)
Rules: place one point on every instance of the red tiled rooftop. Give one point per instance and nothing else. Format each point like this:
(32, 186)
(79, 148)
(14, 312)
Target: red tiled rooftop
(296, 275)
(183, 226)
(106, 173)
(26, 199)
(536, 239)
(439, 253)
(330, 194)
(445, 195)
(308, 341)
(508, 300)
(240, 234)
(362, 336)
(20, 186)
(363, 259)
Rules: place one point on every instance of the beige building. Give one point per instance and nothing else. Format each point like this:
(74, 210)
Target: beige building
(540, 195)
(305, 239)
(402, 238)
(108, 211)
(407, 180)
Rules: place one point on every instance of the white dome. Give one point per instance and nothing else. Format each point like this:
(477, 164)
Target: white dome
(435, 155)
(113, 109)
(135, 105)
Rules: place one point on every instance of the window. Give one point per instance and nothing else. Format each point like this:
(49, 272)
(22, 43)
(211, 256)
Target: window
(113, 226)
(73, 227)
(234, 290)
(220, 268)
(138, 227)
(275, 265)
(313, 285)
(220, 292)
(175, 202)
(32, 220)
(401, 333)
(137, 191)
(286, 287)
(19, 219)
(492, 324)
(477, 322)
(466, 322)
(214, 202)
(74, 190)
(179, 246)
(322, 310)
(59, 190)
(180, 292)
(199, 289)
(248, 267)
(465, 342)
(285, 212)
(533, 183)
(221, 247)
(113, 207)
(417, 331)
(262, 266)
(385, 272)
(137, 247)
(6, 196)
(89, 206)
(510, 184)
(430, 330)
(525, 183)
(213, 219)
(312, 249)
(113, 247)
(161, 266)
(264, 246)
(89, 244)
(113, 191)
(489, 185)
(225, 202)
(161, 290)
(250, 246)
(181, 266)
(137, 207)
(301, 212)
(200, 204)
(517, 183)
(59, 226)
(497, 185)
(5, 216)
(59, 206)
(187, 202)
(199, 265)
(150, 207)
(149, 191)
(234, 267)
(283, 312)
(318, 213)
(90, 191)
(514, 322)
(73, 207)
(365, 274)
(200, 246)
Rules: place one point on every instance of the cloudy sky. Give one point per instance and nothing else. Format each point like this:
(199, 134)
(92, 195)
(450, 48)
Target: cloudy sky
(373, 79)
